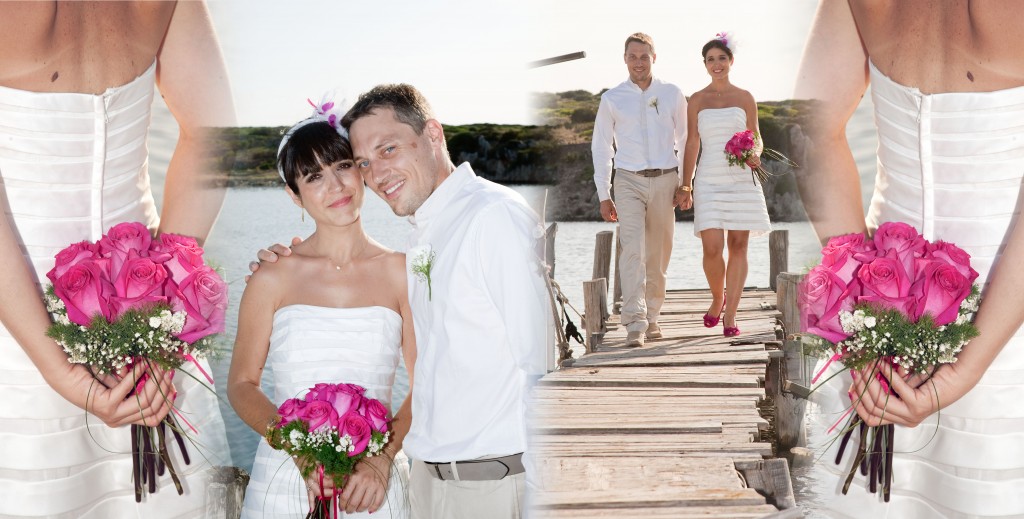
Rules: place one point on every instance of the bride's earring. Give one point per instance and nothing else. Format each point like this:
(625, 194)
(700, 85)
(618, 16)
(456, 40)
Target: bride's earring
(302, 210)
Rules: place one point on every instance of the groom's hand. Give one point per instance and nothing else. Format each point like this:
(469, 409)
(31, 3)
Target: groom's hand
(271, 255)
(367, 487)
(608, 211)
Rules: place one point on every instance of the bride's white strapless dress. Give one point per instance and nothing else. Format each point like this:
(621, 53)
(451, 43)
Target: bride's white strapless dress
(724, 196)
(71, 166)
(314, 344)
(951, 165)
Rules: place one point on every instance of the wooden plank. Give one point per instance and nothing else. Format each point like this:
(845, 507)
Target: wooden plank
(688, 512)
(659, 431)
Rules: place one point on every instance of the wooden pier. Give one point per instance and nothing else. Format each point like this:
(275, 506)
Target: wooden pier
(679, 428)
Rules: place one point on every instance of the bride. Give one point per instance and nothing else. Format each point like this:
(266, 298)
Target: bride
(334, 311)
(76, 87)
(728, 205)
(948, 103)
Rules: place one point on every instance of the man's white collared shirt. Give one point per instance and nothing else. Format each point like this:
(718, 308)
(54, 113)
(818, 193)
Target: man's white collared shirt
(482, 327)
(640, 129)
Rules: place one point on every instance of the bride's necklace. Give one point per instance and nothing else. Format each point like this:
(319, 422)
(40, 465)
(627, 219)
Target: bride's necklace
(337, 266)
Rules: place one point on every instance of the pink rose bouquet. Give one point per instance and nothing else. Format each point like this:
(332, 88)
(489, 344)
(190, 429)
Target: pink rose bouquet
(895, 298)
(130, 298)
(744, 145)
(330, 430)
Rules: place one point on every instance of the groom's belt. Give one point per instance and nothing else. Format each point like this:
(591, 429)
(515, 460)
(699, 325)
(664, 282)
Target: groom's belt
(488, 469)
(650, 172)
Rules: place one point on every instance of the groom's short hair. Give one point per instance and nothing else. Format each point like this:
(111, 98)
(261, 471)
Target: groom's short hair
(409, 105)
(641, 38)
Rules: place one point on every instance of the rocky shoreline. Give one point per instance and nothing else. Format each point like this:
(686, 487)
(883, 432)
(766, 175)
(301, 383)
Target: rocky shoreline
(555, 154)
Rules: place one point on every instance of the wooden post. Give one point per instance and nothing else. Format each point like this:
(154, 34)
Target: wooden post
(595, 294)
(778, 255)
(617, 293)
(225, 492)
(789, 406)
(603, 256)
(786, 301)
(772, 480)
(549, 248)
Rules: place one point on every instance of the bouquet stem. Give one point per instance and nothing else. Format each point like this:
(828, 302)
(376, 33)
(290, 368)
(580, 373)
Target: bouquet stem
(150, 457)
(874, 455)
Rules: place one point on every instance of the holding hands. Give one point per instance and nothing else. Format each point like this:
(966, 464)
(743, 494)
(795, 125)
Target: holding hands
(683, 198)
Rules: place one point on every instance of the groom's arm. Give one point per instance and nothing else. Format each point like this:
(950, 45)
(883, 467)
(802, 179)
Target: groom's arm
(514, 276)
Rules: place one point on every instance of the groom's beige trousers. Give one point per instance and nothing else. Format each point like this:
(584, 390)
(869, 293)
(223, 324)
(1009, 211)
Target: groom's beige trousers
(432, 498)
(646, 225)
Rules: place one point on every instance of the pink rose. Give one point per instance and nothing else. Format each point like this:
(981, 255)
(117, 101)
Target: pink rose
(884, 281)
(322, 392)
(904, 239)
(845, 254)
(822, 295)
(952, 255)
(318, 414)
(85, 291)
(357, 428)
(377, 415)
(203, 296)
(72, 255)
(290, 410)
(183, 253)
(348, 398)
(939, 290)
(123, 238)
(140, 282)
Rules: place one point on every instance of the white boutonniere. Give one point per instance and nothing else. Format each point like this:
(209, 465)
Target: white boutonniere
(653, 103)
(422, 262)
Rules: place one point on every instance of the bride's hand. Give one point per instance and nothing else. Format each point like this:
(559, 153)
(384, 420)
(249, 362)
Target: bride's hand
(904, 404)
(754, 161)
(271, 255)
(109, 398)
(367, 487)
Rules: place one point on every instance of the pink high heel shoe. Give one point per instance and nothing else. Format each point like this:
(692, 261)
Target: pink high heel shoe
(712, 321)
(731, 331)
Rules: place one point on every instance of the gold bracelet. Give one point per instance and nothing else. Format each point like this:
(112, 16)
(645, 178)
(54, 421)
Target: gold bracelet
(270, 432)
(685, 188)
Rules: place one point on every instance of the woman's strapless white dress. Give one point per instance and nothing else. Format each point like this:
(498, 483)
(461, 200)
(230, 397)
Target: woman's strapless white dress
(71, 166)
(951, 165)
(724, 196)
(313, 344)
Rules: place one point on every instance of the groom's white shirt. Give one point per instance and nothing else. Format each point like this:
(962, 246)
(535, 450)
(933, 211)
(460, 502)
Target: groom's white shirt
(482, 333)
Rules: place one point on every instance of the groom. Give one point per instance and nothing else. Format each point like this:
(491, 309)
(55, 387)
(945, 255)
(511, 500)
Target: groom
(479, 305)
(641, 124)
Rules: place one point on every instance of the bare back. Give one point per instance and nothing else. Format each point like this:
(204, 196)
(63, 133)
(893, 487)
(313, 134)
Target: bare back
(79, 46)
(944, 45)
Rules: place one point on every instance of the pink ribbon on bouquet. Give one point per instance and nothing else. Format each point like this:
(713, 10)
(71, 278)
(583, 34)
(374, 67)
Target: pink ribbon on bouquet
(825, 367)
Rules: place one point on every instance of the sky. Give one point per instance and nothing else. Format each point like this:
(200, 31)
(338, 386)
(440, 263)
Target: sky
(470, 57)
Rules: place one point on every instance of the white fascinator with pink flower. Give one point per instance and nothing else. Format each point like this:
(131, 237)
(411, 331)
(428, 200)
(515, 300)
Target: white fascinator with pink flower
(728, 40)
(326, 111)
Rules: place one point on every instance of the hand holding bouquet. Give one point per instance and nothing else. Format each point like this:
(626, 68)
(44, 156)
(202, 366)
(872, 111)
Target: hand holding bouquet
(130, 300)
(896, 301)
(328, 432)
(745, 149)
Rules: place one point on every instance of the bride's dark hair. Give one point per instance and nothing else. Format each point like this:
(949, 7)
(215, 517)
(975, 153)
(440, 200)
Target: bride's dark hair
(309, 149)
(715, 44)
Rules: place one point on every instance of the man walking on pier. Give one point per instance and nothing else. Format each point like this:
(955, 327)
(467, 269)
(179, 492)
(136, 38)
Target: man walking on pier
(641, 126)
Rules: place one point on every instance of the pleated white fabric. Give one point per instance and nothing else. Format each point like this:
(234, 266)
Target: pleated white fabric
(71, 166)
(724, 196)
(950, 165)
(314, 344)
